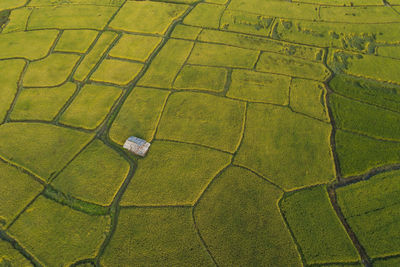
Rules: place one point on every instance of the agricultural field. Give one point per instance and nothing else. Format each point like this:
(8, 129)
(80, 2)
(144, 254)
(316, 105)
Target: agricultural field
(274, 128)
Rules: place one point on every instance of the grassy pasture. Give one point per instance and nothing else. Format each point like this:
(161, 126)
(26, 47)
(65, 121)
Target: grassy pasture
(243, 230)
(309, 214)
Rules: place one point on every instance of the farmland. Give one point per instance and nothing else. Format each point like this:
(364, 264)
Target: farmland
(274, 130)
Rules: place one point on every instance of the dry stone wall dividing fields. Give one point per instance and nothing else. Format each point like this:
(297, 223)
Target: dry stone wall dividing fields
(274, 128)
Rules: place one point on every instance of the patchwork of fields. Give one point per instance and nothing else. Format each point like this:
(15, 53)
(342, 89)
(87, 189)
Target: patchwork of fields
(275, 131)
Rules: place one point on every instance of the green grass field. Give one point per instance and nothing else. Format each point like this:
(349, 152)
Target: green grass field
(274, 128)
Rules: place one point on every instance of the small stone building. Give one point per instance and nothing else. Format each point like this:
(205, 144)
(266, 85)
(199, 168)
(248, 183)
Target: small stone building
(137, 146)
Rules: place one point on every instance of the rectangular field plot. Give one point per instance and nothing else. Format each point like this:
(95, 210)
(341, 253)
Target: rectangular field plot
(203, 119)
(372, 209)
(280, 9)
(17, 189)
(14, 44)
(156, 236)
(12, 257)
(308, 97)
(83, 178)
(365, 119)
(41, 227)
(289, 149)
(201, 78)
(37, 3)
(262, 44)
(135, 47)
(385, 95)
(259, 87)
(205, 15)
(94, 55)
(317, 229)
(53, 70)
(139, 115)
(167, 64)
(282, 64)
(10, 72)
(116, 71)
(222, 56)
(239, 220)
(368, 66)
(342, 2)
(360, 154)
(189, 170)
(77, 41)
(186, 32)
(42, 103)
(91, 106)
(370, 14)
(147, 16)
(238, 21)
(71, 17)
(17, 20)
(389, 51)
(356, 37)
(40, 141)
(10, 4)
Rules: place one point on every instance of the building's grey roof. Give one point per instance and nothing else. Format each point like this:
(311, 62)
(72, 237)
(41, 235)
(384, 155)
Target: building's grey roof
(137, 140)
(137, 146)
